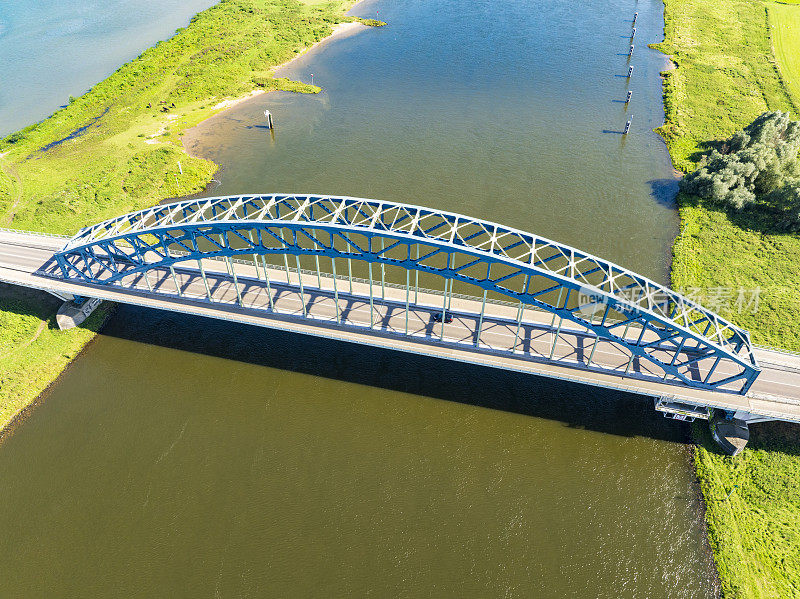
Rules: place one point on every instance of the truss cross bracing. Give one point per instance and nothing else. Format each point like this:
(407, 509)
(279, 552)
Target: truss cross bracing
(645, 320)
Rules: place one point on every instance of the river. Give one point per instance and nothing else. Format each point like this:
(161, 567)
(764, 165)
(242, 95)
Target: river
(183, 457)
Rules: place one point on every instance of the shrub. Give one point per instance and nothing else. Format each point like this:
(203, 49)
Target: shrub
(753, 162)
(758, 163)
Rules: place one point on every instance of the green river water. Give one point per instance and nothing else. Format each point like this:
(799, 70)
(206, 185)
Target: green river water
(181, 457)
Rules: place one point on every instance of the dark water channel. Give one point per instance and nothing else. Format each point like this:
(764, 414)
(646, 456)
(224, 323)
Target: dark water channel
(180, 457)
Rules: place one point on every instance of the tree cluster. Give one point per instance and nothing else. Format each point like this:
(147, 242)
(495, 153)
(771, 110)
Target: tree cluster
(757, 166)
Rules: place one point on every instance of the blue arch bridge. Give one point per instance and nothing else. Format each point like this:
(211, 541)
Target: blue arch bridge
(417, 279)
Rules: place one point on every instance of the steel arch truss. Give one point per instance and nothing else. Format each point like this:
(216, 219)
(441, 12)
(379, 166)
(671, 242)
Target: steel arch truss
(649, 321)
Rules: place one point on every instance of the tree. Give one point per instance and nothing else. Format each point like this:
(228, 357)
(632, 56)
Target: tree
(759, 162)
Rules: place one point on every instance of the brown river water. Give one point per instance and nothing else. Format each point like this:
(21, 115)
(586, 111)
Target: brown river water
(183, 457)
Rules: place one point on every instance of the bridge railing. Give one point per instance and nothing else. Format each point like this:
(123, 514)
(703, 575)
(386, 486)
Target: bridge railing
(22, 232)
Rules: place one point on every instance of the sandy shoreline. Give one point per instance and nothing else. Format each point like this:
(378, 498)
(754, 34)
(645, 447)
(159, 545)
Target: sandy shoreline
(190, 135)
(339, 30)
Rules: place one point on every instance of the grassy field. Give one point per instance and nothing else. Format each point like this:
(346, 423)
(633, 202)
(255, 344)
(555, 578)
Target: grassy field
(784, 19)
(118, 148)
(725, 77)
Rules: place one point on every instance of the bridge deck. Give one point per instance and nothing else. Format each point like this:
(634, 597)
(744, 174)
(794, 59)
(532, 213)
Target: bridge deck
(539, 347)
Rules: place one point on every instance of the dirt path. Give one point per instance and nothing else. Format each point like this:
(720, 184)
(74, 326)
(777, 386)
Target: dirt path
(39, 330)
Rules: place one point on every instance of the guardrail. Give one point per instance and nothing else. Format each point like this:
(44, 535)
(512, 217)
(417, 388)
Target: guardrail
(38, 233)
(786, 352)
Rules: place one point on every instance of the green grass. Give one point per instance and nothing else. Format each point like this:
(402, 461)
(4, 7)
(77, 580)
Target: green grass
(785, 22)
(754, 533)
(32, 349)
(726, 76)
(118, 148)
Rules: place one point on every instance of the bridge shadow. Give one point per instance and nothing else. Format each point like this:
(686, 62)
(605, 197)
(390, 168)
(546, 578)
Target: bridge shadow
(576, 405)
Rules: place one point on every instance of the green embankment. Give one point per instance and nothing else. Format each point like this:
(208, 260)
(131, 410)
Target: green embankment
(784, 19)
(725, 77)
(117, 149)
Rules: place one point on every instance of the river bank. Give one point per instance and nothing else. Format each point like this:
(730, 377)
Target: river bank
(118, 148)
(726, 76)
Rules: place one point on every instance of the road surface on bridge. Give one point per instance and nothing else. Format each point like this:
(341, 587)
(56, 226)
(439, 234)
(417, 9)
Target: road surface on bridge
(538, 346)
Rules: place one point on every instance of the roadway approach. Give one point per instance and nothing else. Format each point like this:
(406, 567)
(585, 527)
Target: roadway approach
(570, 315)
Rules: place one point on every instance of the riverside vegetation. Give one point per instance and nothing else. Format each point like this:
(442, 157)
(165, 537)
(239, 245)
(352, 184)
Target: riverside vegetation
(118, 147)
(725, 77)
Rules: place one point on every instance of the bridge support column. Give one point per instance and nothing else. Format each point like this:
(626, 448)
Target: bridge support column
(175, 280)
(408, 293)
(300, 282)
(383, 274)
(335, 291)
(730, 433)
(560, 323)
(371, 302)
(266, 278)
(350, 273)
(416, 280)
(235, 280)
(72, 313)
(480, 320)
(205, 279)
(520, 311)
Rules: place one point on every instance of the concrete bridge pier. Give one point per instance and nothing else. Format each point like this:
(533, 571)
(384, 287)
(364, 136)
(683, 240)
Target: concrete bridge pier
(73, 312)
